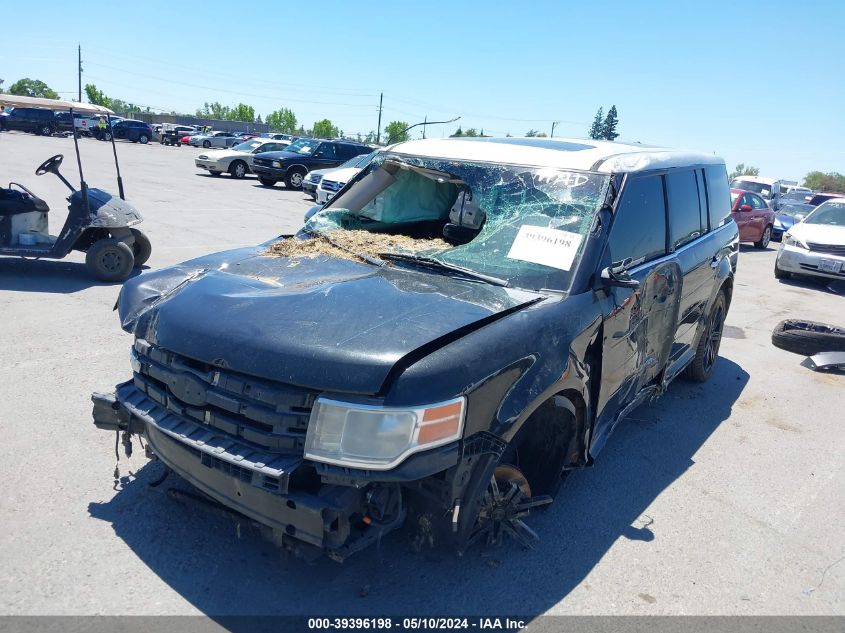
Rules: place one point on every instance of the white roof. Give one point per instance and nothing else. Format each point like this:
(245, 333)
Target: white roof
(57, 105)
(565, 153)
(763, 180)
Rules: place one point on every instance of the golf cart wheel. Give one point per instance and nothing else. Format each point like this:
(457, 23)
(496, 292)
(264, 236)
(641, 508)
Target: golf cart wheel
(110, 260)
(238, 169)
(206, 144)
(267, 182)
(294, 178)
(141, 249)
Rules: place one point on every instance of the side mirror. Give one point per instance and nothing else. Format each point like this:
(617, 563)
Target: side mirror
(617, 275)
(746, 208)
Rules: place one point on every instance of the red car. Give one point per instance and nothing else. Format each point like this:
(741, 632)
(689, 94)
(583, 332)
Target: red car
(753, 217)
(184, 139)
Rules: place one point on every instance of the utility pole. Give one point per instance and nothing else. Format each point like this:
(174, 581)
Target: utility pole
(554, 123)
(378, 129)
(425, 120)
(79, 75)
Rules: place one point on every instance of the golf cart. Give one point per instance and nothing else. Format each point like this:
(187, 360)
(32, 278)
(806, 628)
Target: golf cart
(97, 224)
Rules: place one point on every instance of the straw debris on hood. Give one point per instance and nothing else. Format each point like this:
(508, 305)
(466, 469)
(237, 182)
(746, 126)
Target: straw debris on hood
(345, 244)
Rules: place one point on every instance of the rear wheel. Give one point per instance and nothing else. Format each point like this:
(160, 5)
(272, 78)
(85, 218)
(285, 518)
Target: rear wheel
(206, 144)
(267, 182)
(141, 248)
(765, 238)
(46, 130)
(110, 260)
(707, 352)
(293, 179)
(143, 139)
(238, 169)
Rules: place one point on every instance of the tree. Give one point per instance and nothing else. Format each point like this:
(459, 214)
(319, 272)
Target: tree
(395, 132)
(744, 170)
(471, 132)
(283, 120)
(596, 129)
(370, 138)
(32, 88)
(458, 132)
(532, 133)
(96, 96)
(608, 128)
(820, 181)
(1, 86)
(214, 110)
(242, 112)
(325, 129)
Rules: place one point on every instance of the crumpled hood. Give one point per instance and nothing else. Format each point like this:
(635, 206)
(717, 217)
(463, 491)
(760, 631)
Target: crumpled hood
(321, 323)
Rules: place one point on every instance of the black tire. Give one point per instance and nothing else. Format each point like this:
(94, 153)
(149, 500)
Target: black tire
(808, 337)
(142, 248)
(213, 172)
(267, 182)
(143, 139)
(294, 178)
(765, 238)
(110, 260)
(707, 351)
(238, 169)
(206, 144)
(45, 130)
(781, 274)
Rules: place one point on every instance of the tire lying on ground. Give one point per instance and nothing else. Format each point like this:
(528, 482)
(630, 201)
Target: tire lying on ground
(808, 337)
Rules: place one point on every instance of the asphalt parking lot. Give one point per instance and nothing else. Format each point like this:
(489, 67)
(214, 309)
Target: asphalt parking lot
(722, 498)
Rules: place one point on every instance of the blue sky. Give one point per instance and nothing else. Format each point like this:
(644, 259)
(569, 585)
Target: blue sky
(755, 82)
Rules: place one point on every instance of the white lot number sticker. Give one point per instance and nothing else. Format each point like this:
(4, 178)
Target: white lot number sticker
(545, 246)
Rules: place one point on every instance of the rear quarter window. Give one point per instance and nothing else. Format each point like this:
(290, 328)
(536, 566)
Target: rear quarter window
(684, 208)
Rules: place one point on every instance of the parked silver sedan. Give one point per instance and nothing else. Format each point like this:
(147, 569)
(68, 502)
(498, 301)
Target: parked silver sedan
(238, 160)
(213, 139)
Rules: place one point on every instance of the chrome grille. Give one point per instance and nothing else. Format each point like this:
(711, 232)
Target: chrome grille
(265, 414)
(331, 185)
(832, 249)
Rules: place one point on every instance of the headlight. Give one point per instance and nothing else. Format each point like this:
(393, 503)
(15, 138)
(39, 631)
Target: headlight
(379, 438)
(791, 240)
(277, 164)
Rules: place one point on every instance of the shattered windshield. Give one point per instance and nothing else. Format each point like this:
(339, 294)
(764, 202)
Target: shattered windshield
(525, 226)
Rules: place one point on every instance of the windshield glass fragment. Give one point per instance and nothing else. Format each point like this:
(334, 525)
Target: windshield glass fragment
(525, 225)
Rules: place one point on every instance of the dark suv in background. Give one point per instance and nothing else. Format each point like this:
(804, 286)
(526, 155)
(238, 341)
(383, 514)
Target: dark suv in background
(35, 120)
(135, 131)
(302, 156)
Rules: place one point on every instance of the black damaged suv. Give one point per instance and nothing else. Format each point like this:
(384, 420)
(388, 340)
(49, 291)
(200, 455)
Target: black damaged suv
(515, 300)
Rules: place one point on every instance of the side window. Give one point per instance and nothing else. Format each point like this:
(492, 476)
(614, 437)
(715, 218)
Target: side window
(326, 150)
(718, 195)
(757, 202)
(684, 208)
(639, 224)
(746, 199)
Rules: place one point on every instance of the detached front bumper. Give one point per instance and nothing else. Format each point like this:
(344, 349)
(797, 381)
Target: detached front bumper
(252, 482)
(799, 261)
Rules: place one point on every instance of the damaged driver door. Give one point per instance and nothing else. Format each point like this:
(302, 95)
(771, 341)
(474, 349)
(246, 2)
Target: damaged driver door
(642, 302)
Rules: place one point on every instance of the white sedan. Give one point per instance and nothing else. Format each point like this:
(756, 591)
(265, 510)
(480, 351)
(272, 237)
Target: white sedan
(816, 245)
(238, 160)
(333, 180)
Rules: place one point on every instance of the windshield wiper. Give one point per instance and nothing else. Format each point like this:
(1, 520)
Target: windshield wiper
(436, 264)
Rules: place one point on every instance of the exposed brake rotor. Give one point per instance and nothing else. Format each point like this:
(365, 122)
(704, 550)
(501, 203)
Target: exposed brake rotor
(506, 502)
